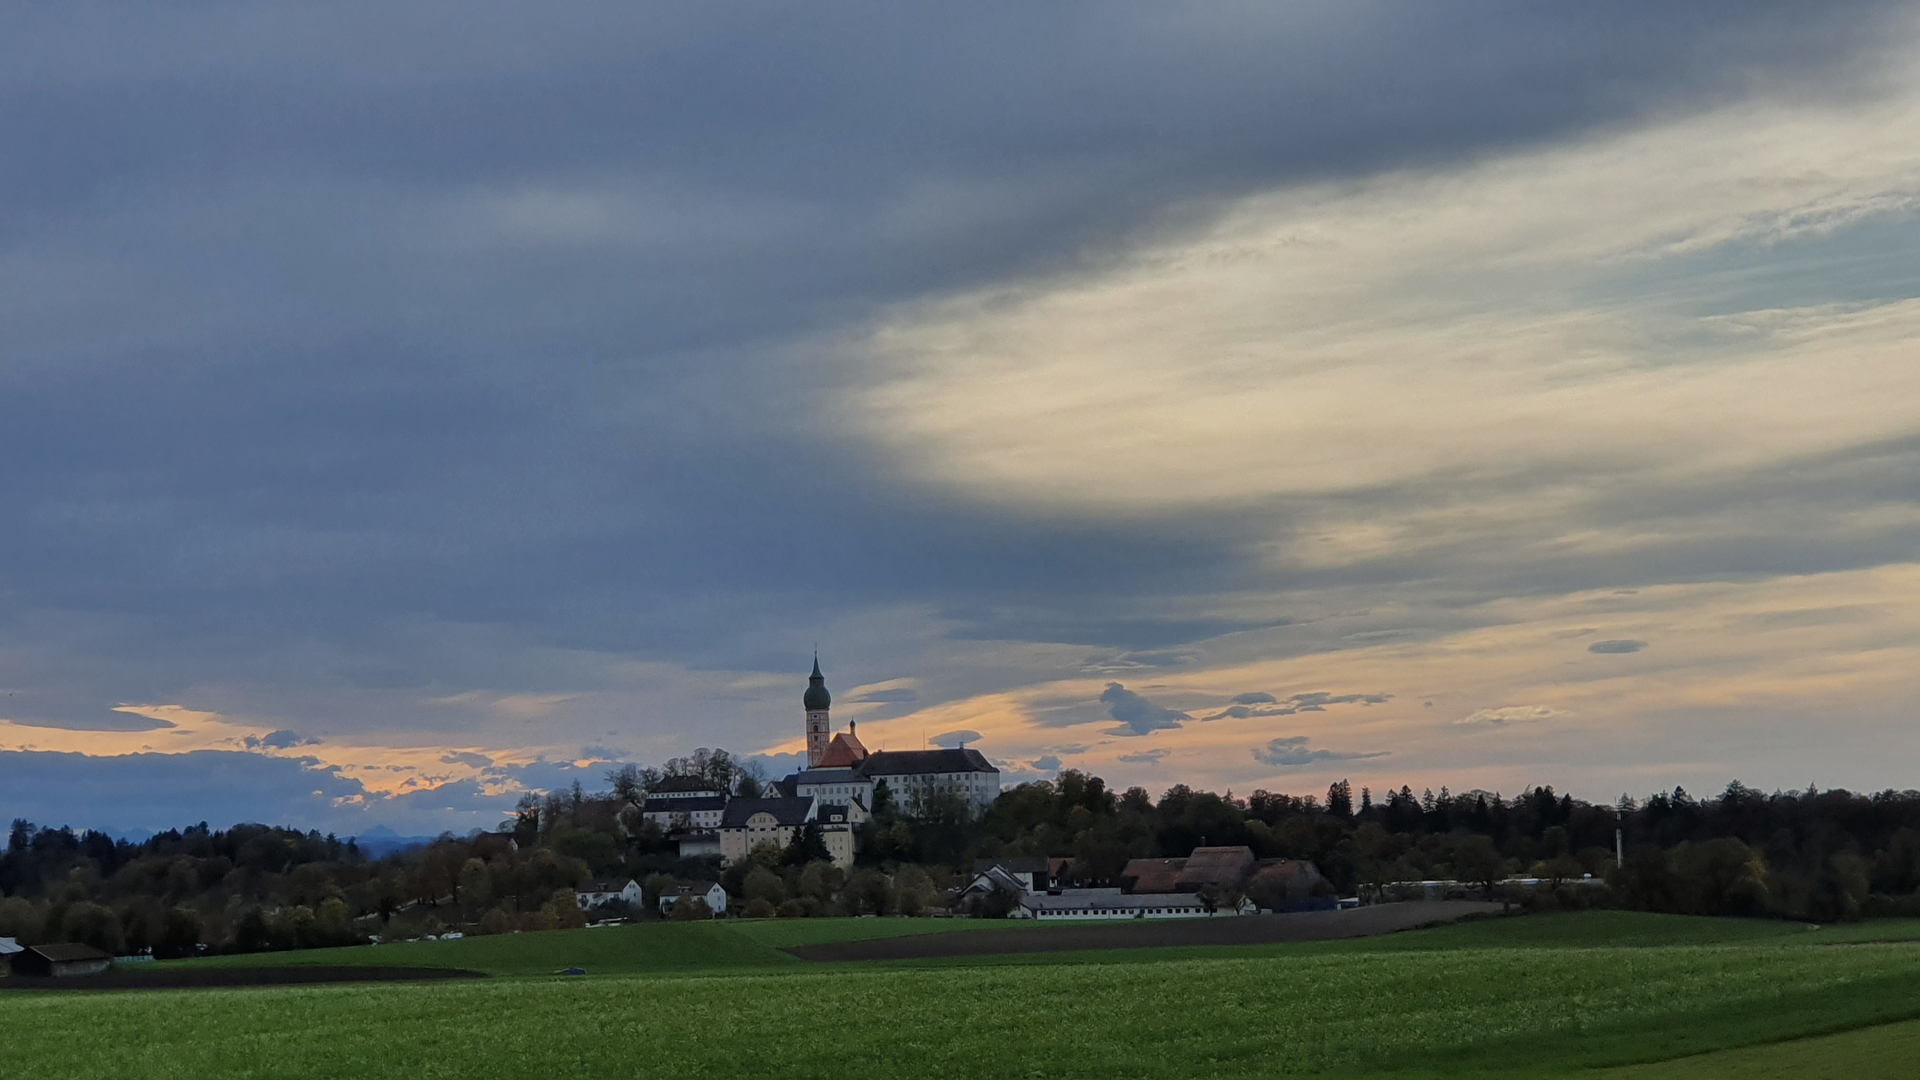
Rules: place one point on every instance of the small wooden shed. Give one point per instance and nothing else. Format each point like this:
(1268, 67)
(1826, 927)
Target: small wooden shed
(59, 961)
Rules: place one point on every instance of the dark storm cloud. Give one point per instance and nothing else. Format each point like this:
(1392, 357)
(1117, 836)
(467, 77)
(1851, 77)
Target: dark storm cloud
(1292, 752)
(471, 760)
(387, 320)
(951, 739)
(278, 740)
(158, 791)
(1137, 715)
(326, 332)
(900, 696)
(30, 708)
(1618, 645)
(1046, 763)
(1316, 701)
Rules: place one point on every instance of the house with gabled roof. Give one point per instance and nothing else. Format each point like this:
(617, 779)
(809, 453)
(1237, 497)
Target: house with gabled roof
(601, 893)
(709, 891)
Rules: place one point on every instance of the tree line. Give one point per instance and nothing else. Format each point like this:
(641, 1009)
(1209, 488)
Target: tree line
(1816, 855)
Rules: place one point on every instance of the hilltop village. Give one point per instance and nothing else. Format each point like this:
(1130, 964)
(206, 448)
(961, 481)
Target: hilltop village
(828, 804)
(837, 793)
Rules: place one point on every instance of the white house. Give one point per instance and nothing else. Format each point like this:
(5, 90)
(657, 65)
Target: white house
(596, 893)
(711, 892)
(678, 813)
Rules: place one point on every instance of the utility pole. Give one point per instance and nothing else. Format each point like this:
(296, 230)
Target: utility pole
(1619, 839)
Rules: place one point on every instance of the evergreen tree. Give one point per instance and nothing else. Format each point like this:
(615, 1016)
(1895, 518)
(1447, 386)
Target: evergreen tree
(808, 846)
(1340, 800)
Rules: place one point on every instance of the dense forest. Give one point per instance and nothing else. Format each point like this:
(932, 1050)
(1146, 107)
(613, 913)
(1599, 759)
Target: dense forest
(1815, 855)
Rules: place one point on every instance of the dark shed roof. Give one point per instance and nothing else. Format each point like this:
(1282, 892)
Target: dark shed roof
(62, 954)
(784, 811)
(917, 762)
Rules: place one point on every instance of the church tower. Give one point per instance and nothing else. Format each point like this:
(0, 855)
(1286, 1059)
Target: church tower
(817, 701)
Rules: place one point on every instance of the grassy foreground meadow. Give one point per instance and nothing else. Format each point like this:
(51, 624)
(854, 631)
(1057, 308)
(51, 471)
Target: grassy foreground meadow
(650, 948)
(1604, 994)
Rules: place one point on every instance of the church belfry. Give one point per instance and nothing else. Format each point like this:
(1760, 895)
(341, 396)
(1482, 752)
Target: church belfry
(817, 701)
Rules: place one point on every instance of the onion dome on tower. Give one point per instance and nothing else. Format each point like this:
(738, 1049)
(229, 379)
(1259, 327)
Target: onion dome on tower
(817, 699)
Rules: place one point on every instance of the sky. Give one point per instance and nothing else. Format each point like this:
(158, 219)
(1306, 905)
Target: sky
(405, 406)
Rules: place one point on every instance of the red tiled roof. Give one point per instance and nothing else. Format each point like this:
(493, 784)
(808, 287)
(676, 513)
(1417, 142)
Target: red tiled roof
(843, 752)
(1153, 875)
(1217, 866)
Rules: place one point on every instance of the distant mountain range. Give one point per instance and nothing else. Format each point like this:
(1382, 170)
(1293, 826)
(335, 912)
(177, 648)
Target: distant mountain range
(380, 841)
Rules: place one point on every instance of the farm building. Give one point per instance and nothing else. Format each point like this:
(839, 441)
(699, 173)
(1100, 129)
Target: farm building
(1084, 904)
(1152, 875)
(1284, 881)
(59, 961)
(1206, 869)
(1204, 884)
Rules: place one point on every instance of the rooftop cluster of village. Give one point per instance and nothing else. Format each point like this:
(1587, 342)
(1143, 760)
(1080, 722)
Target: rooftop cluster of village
(844, 785)
(840, 789)
(1210, 881)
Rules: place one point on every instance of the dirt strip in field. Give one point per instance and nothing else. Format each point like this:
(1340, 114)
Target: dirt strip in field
(163, 977)
(1155, 933)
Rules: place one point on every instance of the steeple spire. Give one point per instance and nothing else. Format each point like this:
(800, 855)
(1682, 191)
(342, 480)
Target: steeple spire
(817, 702)
(817, 697)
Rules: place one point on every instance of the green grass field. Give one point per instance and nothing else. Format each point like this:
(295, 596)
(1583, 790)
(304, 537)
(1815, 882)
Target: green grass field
(1886, 1050)
(706, 948)
(1609, 995)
